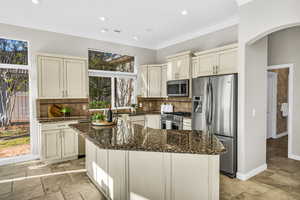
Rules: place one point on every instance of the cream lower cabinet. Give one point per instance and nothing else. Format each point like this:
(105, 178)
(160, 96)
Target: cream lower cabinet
(62, 77)
(58, 142)
(146, 176)
(152, 121)
(137, 175)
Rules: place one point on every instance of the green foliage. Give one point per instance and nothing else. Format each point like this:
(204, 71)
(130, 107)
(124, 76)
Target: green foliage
(99, 104)
(98, 116)
(65, 110)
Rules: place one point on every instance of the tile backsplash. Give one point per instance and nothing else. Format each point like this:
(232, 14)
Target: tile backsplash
(79, 107)
(153, 104)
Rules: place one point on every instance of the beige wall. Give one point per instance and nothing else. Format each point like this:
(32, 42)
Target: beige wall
(205, 42)
(258, 19)
(284, 48)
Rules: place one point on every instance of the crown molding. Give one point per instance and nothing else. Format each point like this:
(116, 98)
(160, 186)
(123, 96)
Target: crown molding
(242, 2)
(233, 21)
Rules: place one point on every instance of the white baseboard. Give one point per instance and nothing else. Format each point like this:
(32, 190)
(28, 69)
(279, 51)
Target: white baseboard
(294, 157)
(280, 135)
(252, 173)
(17, 159)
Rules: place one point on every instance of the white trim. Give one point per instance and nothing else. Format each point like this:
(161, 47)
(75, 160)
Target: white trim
(242, 2)
(233, 21)
(294, 157)
(291, 103)
(252, 173)
(103, 73)
(274, 77)
(280, 135)
(23, 158)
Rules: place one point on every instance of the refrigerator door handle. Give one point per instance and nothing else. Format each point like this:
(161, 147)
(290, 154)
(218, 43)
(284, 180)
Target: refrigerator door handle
(207, 106)
(211, 103)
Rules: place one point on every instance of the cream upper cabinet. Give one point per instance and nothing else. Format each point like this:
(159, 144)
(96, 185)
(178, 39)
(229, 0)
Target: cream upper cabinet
(50, 77)
(154, 81)
(76, 78)
(144, 81)
(227, 62)
(179, 66)
(195, 67)
(163, 88)
(62, 77)
(223, 60)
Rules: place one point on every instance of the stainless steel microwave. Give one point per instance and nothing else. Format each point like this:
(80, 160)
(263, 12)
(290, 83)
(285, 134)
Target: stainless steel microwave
(178, 88)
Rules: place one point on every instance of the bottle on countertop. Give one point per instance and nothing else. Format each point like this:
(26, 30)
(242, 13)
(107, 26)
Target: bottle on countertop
(109, 115)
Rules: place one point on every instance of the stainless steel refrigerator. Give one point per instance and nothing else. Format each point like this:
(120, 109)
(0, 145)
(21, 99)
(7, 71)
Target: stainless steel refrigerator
(215, 110)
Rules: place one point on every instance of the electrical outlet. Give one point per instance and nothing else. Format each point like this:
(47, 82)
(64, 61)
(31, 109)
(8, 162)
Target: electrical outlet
(84, 107)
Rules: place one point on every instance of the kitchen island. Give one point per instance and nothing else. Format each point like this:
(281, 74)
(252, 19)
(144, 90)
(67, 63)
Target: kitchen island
(132, 162)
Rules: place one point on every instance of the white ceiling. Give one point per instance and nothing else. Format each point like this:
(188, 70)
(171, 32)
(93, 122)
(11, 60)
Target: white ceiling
(133, 17)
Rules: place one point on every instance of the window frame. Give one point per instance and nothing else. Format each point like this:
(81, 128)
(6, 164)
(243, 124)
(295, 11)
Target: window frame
(115, 74)
(17, 66)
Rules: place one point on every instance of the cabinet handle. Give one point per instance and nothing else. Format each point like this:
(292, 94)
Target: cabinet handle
(214, 67)
(63, 93)
(217, 69)
(66, 93)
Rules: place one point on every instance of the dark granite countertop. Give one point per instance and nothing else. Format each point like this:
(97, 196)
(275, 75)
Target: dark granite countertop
(134, 137)
(58, 119)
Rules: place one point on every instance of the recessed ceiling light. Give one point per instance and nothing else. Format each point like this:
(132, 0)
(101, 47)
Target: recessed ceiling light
(103, 18)
(117, 31)
(135, 38)
(35, 1)
(104, 30)
(184, 12)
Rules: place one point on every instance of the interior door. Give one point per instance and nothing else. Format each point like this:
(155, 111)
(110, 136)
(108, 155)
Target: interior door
(51, 77)
(76, 81)
(272, 104)
(224, 105)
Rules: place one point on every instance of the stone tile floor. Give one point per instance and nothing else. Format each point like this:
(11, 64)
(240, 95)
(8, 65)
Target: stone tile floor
(281, 181)
(38, 181)
(68, 181)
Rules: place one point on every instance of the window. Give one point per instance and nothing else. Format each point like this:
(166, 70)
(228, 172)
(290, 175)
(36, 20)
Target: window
(111, 80)
(13, 52)
(14, 98)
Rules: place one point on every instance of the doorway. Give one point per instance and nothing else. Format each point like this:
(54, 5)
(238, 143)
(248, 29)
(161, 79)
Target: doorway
(279, 111)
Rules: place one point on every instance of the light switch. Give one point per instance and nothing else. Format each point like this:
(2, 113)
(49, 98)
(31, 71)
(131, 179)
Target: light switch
(253, 112)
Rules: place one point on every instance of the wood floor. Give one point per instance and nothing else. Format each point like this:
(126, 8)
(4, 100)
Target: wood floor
(68, 181)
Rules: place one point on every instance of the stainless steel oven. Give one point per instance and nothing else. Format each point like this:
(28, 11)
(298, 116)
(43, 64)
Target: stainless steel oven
(178, 88)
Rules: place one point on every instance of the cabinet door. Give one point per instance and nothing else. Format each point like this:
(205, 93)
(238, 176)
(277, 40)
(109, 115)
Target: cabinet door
(163, 88)
(154, 81)
(144, 81)
(117, 184)
(76, 78)
(102, 170)
(192, 183)
(153, 121)
(51, 144)
(206, 64)
(90, 159)
(69, 143)
(228, 61)
(147, 176)
(50, 77)
(183, 67)
(195, 68)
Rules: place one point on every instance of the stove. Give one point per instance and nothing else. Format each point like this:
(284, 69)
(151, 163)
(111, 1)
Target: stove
(173, 120)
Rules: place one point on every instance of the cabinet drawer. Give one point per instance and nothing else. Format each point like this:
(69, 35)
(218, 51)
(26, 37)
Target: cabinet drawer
(57, 125)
